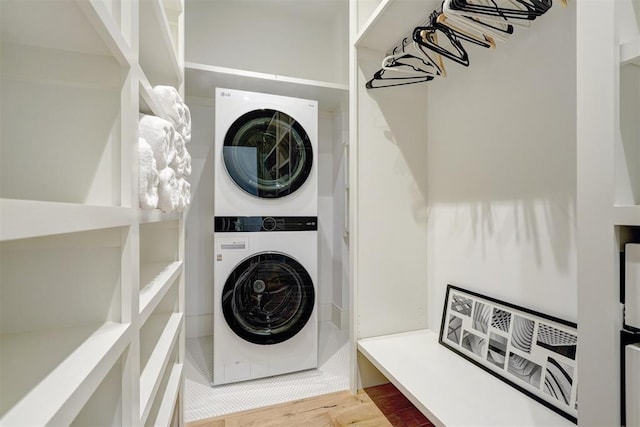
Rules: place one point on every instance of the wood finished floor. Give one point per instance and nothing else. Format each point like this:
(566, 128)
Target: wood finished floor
(376, 406)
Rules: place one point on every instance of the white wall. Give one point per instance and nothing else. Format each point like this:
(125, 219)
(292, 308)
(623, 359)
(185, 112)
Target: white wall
(285, 37)
(390, 221)
(501, 165)
(199, 254)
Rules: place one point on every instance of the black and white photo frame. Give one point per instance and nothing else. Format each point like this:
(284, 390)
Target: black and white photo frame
(531, 351)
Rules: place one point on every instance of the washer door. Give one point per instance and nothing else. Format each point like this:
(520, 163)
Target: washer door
(267, 153)
(268, 298)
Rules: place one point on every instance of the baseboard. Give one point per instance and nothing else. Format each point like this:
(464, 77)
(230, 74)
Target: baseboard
(199, 325)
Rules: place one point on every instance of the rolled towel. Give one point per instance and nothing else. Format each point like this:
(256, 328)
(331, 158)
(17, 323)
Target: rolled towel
(147, 176)
(168, 195)
(181, 163)
(174, 109)
(186, 164)
(160, 135)
(186, 128)
(184, 194)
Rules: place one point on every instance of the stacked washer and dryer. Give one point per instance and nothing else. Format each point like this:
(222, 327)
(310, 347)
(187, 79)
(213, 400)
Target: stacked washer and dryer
(266, 241)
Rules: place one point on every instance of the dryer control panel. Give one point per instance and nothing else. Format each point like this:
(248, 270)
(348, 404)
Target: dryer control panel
(255, 224)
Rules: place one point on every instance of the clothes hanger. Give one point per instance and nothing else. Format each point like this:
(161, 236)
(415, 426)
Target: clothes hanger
(515, 9)
(500, 31)
(409, 58)
(379, 80)
(464, 29)
(428, 37)
(517, 12)
(492, 15)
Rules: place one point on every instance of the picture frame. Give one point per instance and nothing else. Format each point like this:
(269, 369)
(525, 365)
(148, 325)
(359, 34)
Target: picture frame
(533, 352)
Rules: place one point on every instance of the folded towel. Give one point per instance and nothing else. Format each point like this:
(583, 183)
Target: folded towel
(168, 195)
(147, 176)
(174, 109)
(160, 135)
(184, 194)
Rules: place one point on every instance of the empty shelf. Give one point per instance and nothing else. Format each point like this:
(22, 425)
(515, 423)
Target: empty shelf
(168, 404)
(156, 280)
(158, 360)
(26, 218)
(47, 376)
(158, 56)
(449, 389)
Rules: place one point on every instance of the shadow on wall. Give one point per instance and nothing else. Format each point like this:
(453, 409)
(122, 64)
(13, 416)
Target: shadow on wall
(402, 118)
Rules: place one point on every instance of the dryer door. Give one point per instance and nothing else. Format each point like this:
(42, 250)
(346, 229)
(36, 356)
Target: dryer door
(268, 298)
(267, 153)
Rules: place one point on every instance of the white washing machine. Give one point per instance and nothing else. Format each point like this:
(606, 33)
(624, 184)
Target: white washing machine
(265, 319)
(266, 149)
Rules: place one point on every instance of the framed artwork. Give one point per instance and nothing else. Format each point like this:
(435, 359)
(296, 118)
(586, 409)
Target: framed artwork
(533, 352)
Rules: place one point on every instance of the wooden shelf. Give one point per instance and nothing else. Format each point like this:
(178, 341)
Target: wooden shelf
(201, 81)
(102, 21)
(630, 52)
(148, 103)
(47, 376)
(156, 215)
(166, 411)
(21, 219)
(158, 57)
(626, 215)
(77, 26)
(156, 279)
(440, 383)
(391, 21)
(158, 360)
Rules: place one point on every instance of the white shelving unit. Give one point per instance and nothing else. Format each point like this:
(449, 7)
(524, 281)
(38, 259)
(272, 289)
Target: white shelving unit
(84, 272)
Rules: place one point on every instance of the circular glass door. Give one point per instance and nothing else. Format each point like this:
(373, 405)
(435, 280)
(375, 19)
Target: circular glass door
(267, 153)
(268, 298)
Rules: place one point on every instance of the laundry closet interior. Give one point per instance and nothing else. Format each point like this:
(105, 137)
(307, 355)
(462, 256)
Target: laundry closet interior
(516, 177)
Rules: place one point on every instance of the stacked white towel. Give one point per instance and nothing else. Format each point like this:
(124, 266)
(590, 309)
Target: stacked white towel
(148, 179)
(174, 110)
(160, 135)
(166, 138)
(168, 196)
(184, 194)
(182, 161)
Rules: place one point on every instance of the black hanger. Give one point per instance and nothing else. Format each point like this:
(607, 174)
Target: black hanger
(497, 8)
(379, 81)
(406, 61)
(428, 37)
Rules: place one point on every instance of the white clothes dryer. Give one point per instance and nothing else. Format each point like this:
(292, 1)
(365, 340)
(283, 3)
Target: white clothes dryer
(266, 149)
(265, 318)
